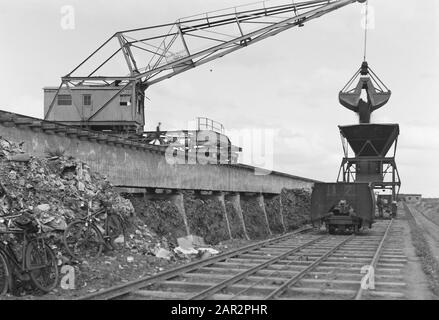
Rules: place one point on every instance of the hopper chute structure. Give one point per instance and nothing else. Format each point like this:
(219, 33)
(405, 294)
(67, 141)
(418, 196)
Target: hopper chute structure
(370, 140)
(367, 145)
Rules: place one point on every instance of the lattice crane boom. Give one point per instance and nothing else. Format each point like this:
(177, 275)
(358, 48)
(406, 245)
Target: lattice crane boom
(139, 58)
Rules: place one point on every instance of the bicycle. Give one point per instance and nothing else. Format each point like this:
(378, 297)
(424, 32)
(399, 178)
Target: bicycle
(37, 263)
(84, 239)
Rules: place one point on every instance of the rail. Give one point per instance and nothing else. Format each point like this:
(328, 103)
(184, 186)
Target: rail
(375, 259)
(121, 290)
(302, 273)
(272, 269)
(209, 292)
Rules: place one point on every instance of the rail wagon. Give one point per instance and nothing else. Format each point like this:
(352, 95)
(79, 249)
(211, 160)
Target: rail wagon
(343, 206)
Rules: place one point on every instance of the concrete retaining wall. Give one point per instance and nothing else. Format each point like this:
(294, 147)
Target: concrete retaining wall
(137, 167)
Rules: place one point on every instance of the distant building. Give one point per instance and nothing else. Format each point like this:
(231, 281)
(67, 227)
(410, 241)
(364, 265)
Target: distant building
(410, 198)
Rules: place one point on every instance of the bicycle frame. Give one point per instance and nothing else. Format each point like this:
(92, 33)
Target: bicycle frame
(10, 254)
(12, 257)
(36, 256)
(91, 219)
(93, 216)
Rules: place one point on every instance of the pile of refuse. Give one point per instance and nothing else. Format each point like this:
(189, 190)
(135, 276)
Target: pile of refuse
(236, 227)
(53, 189)
(142, 240)
(272, 207)
(254, 218)
(161, 216)
(296, 206)
(56, 189)
(206, 218)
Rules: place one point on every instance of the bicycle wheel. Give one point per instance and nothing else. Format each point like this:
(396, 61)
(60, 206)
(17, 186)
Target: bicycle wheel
(5, 275)
(42, 265)
(114, 228)
(83, 240)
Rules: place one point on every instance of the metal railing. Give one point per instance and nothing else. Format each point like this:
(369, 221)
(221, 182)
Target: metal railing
(209, 124)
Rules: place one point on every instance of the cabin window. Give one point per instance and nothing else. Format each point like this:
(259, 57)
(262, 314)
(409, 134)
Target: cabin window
(64, 100)
(125, 100)
(86, 100)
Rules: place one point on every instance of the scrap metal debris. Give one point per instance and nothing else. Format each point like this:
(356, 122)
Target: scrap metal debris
(53, 189)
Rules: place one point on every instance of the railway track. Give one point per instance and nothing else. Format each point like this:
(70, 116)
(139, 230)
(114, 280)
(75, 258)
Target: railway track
(301, 265)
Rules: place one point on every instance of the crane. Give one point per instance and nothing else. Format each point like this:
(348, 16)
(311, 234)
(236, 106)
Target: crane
(98, 87)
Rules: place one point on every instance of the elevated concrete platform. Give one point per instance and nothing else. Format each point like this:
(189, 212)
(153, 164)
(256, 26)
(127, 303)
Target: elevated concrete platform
(133, 165)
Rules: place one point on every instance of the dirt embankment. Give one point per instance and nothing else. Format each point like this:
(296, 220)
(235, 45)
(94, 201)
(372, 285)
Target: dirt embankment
(236, 227)
(254, 218)
(206, 218)
(205, 215)
(430, 208)
(296, 206)
(272, 207)
(161, 216)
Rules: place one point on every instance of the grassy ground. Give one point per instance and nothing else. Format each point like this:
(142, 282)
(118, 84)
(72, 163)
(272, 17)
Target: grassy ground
(430, 265)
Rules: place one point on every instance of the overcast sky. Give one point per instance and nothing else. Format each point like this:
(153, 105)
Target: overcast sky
(287, 85)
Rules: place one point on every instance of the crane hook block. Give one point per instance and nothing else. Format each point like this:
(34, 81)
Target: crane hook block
(376, 97)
